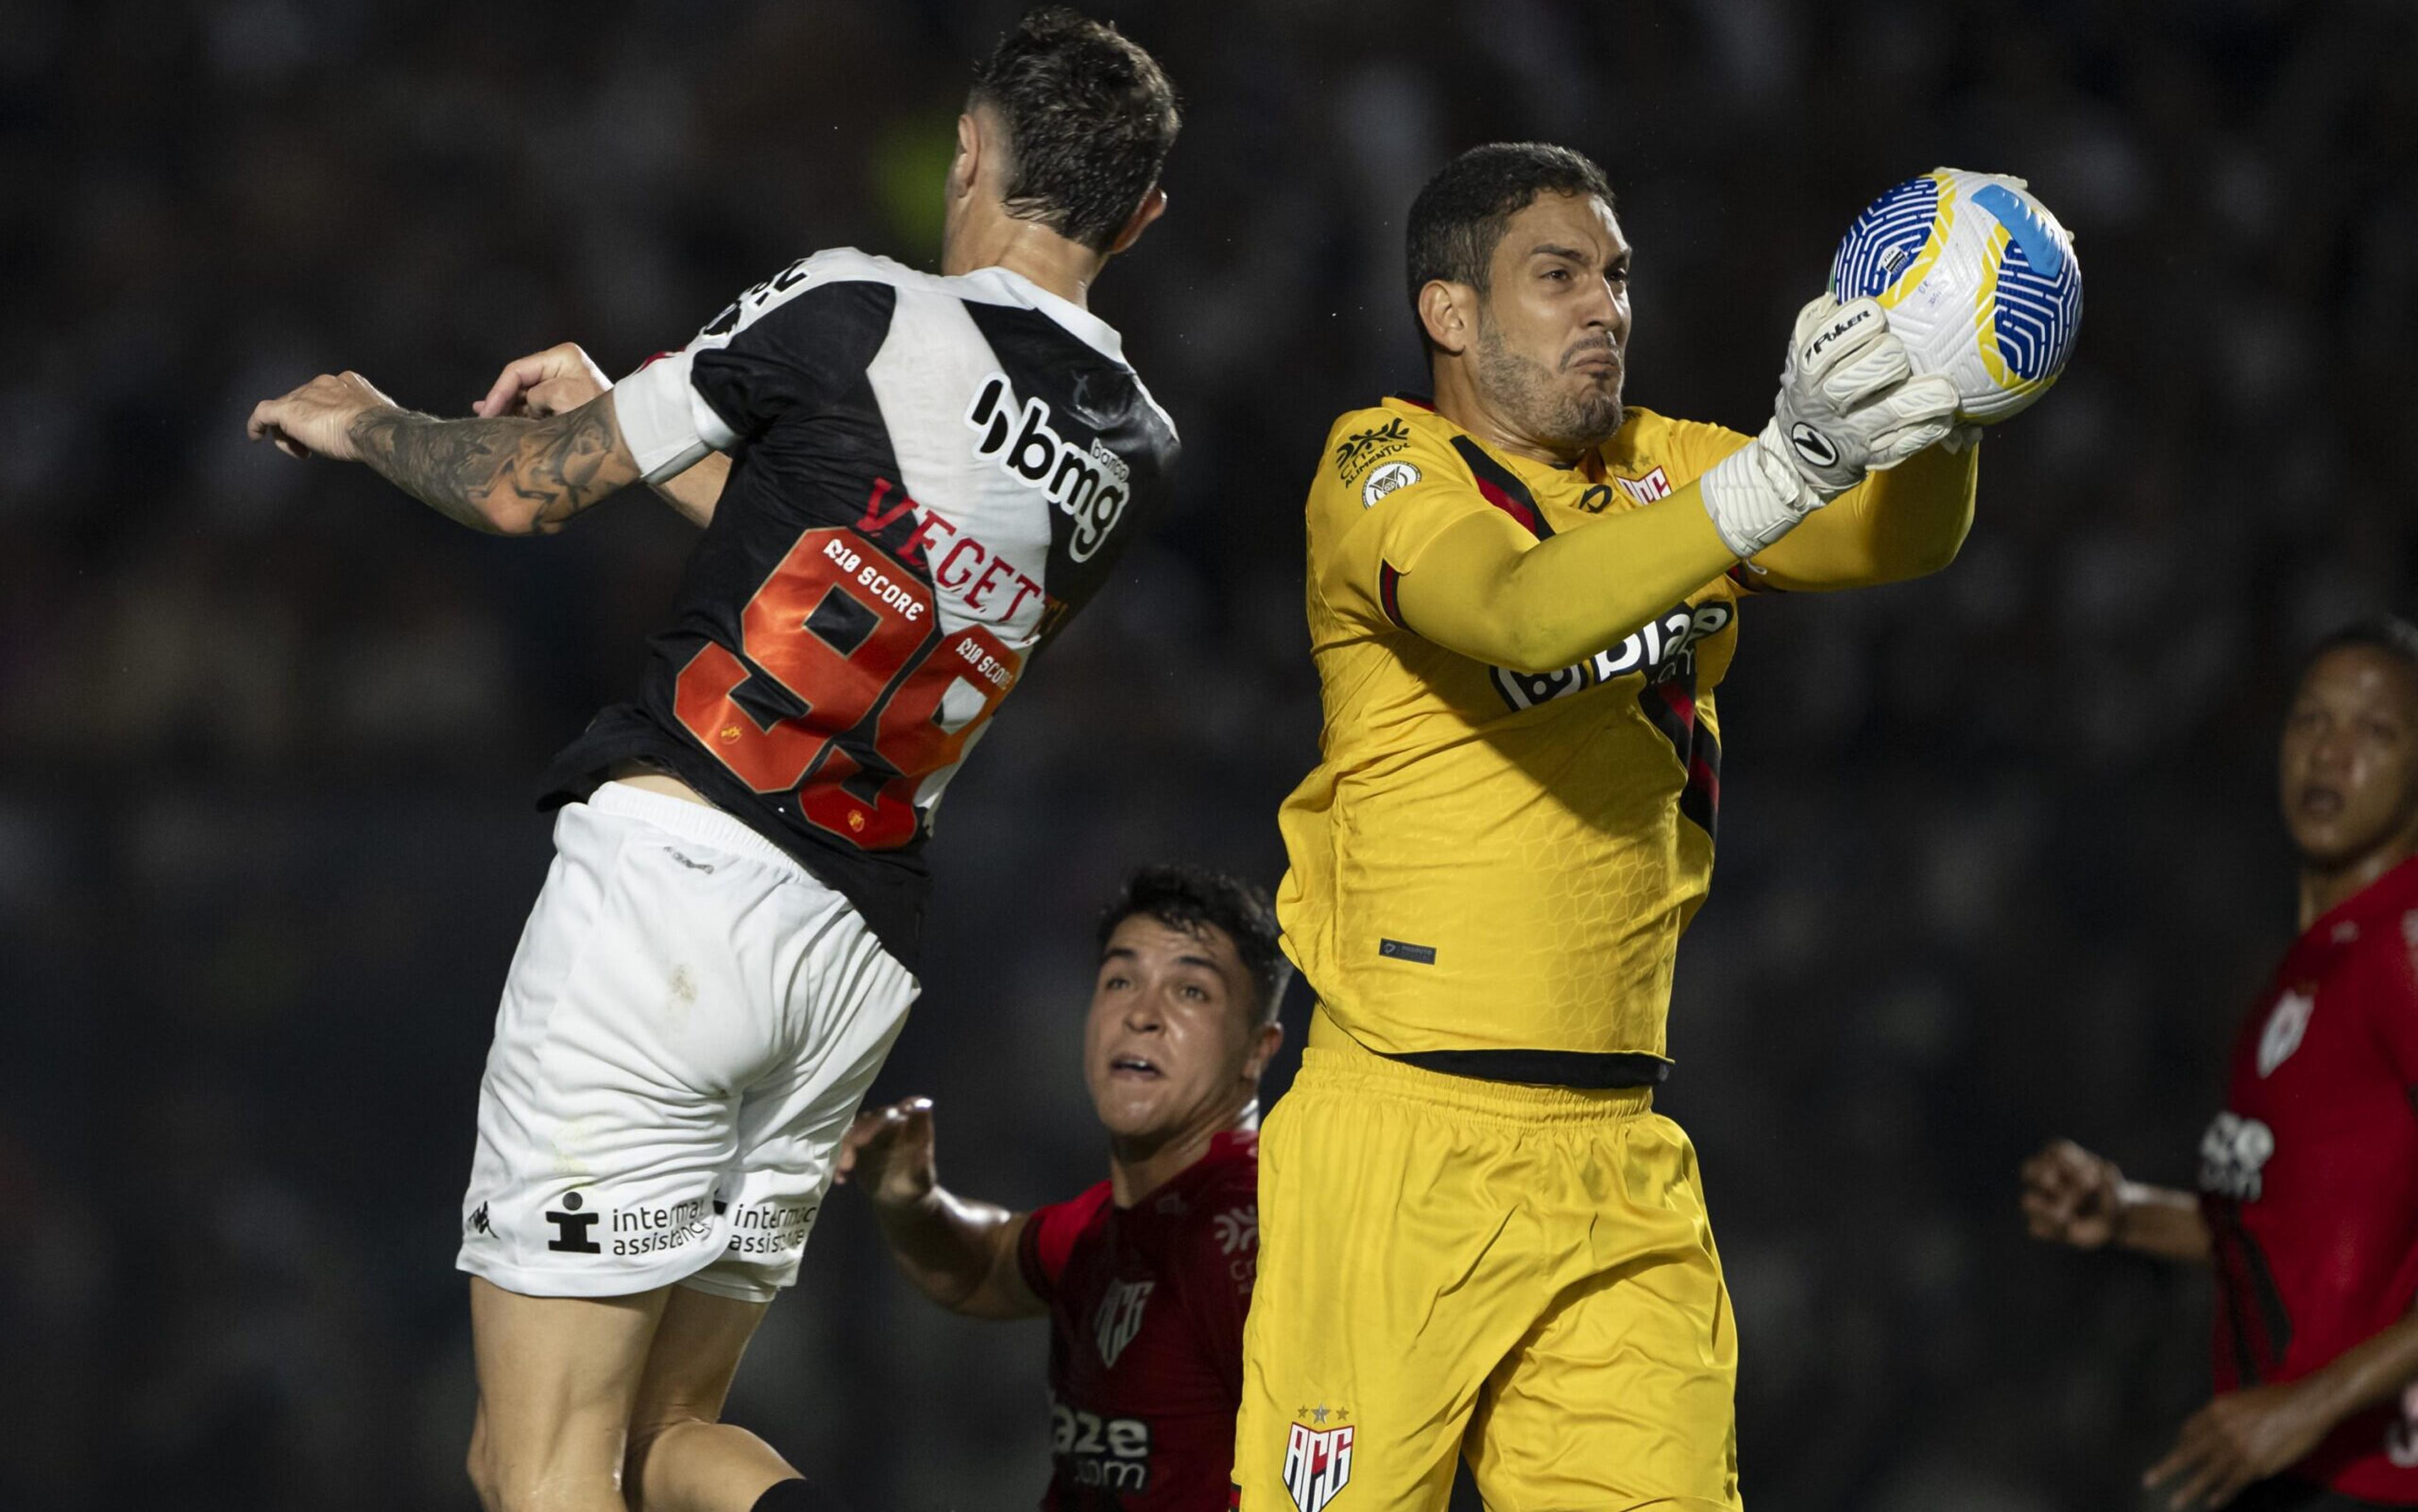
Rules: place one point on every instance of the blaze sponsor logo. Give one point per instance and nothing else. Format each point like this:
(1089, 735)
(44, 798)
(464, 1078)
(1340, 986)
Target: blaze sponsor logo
(1356, 452)
(1645, 490)
(1090, 487)
(1318, 1462)
(1119, 1317)
(2285, 1024)
(2232, 1154)
(1112, 1453)
(1664, 649)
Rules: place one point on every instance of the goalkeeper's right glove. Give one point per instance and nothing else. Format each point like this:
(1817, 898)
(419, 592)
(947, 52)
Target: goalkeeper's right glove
(1848, 404)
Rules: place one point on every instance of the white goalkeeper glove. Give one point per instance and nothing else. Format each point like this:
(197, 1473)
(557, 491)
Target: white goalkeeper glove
(1849, 403)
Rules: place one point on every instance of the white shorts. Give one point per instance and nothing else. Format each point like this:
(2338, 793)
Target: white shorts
(691, 1020)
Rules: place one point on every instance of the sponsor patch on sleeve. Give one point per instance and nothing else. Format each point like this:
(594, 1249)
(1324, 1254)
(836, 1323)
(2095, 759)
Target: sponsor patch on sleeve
(1385, 480)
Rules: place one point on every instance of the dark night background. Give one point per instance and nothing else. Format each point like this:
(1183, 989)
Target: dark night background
(1998, 858)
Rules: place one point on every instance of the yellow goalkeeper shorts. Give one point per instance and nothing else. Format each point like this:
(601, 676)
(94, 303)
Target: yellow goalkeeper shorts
(1522, 1274)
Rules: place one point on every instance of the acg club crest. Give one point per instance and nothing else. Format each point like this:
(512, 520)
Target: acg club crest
(1119, 1318)
(1318, 1463)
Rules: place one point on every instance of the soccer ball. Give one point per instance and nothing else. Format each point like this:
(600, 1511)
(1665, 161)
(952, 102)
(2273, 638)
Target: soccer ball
(1978, 279)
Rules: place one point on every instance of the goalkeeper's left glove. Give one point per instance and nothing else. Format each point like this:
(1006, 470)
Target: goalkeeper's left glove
(1849, 403)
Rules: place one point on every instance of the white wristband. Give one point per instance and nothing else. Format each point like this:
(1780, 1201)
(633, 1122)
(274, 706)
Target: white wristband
(1756, 496)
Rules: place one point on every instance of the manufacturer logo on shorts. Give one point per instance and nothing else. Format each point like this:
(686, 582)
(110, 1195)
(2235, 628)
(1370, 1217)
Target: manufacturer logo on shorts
(1119, 1318)
(571, 1228)
(1318, 1462)
(1385, 481)
(477, 1223)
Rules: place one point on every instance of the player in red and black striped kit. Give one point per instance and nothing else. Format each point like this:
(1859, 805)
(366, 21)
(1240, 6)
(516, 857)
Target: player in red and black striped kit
(2308, 1201)
(1146, 1276)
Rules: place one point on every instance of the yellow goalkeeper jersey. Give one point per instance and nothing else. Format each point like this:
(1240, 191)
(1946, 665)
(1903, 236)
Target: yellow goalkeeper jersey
(1485, 859)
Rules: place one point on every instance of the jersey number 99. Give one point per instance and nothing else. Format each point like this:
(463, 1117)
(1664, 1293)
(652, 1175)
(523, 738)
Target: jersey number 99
(853, 635)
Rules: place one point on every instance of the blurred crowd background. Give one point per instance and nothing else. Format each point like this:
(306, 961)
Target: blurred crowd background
(1999, 855)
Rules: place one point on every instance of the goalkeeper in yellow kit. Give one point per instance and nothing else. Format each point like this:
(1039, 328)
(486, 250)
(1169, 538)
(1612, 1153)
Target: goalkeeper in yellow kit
(1477, 1236)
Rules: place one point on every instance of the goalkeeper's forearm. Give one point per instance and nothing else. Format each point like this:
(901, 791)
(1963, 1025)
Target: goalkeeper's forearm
(1484, 587)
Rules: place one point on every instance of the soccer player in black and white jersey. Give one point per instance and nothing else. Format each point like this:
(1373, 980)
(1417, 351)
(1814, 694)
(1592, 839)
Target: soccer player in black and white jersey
(927, 475)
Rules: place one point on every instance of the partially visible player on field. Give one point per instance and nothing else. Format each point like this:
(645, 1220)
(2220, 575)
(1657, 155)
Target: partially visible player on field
(1478, 1237)
(2307, 1205)
(1146, 1276)
(929, 475)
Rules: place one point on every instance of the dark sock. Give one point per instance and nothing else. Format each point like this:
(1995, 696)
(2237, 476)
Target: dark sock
(797, 1496)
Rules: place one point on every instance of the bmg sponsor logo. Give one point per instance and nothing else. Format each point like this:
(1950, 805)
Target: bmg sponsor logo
(1090, 487)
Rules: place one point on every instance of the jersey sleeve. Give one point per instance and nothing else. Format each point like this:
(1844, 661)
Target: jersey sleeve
(1049, 1239)
(1386, 487)
(1694, 446)
(780, 349)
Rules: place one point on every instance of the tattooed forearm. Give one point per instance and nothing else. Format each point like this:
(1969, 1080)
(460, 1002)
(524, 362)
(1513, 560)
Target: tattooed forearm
(510, 475)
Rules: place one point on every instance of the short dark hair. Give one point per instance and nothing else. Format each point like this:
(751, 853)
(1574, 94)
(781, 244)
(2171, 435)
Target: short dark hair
(2392, 634)
(1459, 217)
(1090, 119)
(1192, 898)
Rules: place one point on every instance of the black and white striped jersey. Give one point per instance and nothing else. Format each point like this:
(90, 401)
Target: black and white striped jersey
(928, 476)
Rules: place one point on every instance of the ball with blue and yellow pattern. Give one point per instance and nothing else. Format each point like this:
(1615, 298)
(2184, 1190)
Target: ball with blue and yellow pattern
(1980, 282)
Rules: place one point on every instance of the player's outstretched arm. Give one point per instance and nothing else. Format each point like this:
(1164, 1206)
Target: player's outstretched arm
(1907, 522)
(959, 1253)
(504, 476)
(1487, 589)
(563, 377)
(1849, 406)
(2073, 1197)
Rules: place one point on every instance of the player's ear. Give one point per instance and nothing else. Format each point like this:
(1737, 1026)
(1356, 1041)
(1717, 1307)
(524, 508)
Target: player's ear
(1153, 206)
(1449, 314)
(966, 167)
(1265, 1041)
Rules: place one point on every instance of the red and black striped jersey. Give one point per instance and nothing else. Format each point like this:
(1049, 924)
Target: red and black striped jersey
(928, 476)
(2310, 1176)
(1146, 1305)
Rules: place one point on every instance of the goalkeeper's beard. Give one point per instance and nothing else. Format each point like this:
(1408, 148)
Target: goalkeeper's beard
(1525, 391)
